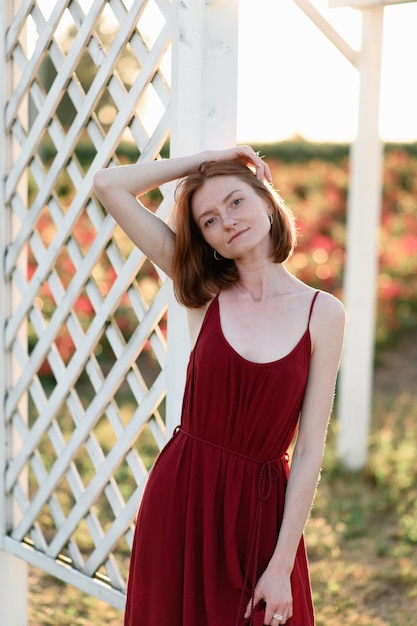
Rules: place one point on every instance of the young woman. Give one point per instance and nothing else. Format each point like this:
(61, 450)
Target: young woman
(219, 534)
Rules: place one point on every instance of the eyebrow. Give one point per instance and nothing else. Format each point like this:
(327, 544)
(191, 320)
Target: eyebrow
(225, 199)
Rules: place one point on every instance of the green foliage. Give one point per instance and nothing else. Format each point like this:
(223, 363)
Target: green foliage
(362, 534)
(301, 151)
(298, 151)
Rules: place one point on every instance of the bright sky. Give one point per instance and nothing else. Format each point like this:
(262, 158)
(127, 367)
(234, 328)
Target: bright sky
(293, 81)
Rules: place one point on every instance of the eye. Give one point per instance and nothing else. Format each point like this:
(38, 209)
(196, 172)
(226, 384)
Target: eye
(209, 221)
(236, 201)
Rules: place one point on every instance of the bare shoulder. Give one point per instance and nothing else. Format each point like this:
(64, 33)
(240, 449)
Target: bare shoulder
(329, 306)
(328, 318)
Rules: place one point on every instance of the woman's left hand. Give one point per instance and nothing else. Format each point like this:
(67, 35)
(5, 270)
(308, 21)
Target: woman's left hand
(244, 154)
(274, 588)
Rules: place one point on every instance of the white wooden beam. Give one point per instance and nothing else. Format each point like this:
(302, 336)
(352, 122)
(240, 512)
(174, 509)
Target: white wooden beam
(203, 115)
(61, 570)
(364, 202)
(364, 4)
(327, 29)
(13, 571)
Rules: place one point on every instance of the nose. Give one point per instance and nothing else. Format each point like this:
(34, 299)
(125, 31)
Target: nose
(229, 221)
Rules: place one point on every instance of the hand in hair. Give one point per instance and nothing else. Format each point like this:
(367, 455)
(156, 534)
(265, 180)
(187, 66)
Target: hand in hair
(247, 156)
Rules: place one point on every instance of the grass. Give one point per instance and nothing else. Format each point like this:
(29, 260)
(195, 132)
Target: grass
(362, 535)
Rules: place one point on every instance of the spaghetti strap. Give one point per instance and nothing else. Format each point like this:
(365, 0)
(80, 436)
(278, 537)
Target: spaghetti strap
(312, 306)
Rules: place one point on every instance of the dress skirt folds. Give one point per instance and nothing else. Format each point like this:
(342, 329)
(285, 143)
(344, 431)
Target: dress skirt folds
(212, 508)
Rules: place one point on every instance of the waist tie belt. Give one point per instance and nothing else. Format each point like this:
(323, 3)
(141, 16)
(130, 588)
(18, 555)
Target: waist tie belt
(267, 474)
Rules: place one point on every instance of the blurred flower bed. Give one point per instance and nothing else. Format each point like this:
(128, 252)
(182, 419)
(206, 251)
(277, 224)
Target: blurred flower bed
(316, 190)
(317, 193)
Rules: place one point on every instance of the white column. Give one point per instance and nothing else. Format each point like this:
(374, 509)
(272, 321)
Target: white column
(13, 571)
(13, 590)
(364, 202)
(204, 75)
(203, 115)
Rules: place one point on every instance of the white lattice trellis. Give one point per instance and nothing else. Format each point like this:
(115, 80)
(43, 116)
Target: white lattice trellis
(85, 82)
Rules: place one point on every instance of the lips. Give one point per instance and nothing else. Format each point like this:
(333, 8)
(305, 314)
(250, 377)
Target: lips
(240, 232)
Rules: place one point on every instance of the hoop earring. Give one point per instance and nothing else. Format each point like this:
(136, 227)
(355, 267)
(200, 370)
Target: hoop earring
(217, 255)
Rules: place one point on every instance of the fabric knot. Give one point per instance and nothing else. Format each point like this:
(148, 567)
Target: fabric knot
(267, 474)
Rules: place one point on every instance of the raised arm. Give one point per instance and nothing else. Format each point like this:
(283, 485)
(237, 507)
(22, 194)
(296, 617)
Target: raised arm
(119, 187)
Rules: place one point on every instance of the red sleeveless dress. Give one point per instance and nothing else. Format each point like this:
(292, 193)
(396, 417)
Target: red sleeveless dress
(212, 508)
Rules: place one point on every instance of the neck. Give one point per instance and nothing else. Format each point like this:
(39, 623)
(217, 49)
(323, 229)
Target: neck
(261, 283)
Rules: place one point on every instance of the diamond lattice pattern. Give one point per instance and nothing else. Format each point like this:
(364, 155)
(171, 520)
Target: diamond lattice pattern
(85, 331)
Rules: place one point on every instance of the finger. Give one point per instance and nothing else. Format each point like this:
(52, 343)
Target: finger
(248, 154)
(262, 169)
(256, 599)
(269, 619)
(250, 157)
(271, 612)
(276, 618)
(249, 609)
(259, 166)
(267, 173)
(261, 172)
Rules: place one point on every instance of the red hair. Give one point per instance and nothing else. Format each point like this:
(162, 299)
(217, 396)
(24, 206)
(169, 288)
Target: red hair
(197, 275)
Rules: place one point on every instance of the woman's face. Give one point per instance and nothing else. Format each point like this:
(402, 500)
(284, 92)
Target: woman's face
(232, 217)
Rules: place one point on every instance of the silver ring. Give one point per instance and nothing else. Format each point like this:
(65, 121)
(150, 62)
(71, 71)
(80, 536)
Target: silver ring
(277, 616)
